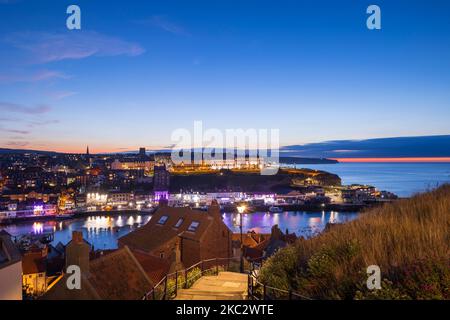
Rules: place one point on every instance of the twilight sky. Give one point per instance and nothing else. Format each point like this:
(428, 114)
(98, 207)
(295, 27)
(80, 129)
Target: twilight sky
(138, 70)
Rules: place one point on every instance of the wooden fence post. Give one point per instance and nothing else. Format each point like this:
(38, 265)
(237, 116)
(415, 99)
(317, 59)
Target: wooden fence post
(165, 289)
(176, 283)
(264, 292)
(217, 266)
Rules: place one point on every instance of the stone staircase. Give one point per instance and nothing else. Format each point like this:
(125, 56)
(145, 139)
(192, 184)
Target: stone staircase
(224, 286)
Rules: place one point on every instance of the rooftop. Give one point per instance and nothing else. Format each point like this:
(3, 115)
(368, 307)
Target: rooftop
(9, 253)
(167, 223)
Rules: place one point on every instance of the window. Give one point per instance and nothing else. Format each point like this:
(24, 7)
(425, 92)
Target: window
(179, 223)
(163, 220)
(194, 225)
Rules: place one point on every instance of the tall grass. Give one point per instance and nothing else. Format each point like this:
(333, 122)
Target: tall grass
(409, 240)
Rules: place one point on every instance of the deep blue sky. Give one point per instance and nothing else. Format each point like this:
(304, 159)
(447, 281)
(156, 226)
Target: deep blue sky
(140, 69)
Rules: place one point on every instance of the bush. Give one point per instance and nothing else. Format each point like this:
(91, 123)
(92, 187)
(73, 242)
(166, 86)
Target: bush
(408, 240)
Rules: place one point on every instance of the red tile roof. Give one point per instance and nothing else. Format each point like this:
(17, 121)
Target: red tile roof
(153, 235)
(115, 276)
(156, 268)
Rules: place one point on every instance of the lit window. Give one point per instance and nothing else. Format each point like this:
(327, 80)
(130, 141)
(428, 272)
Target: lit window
(163, 220)
(194, 225)
(179, 223)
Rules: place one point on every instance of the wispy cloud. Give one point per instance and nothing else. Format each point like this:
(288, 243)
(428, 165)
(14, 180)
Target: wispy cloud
(17, 144)
(162, 22)
(32, 77)
(18, 108)
(58, 95)
(16, 131)
(42, 123)
(8, 119)
(45, 47)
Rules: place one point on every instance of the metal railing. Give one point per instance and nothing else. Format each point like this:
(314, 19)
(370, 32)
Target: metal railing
(261, 291)
(168, 287)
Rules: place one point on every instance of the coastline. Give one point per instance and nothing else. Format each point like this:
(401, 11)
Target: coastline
(343, 208)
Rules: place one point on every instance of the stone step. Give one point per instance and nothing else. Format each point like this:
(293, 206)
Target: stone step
(224, 286)
(189, 294)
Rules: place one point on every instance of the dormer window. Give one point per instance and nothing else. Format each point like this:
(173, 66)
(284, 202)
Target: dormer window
(163, 220)
(179, 223)
(194, 225)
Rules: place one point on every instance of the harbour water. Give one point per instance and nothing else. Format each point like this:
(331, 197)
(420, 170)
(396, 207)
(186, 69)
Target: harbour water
(103, 231)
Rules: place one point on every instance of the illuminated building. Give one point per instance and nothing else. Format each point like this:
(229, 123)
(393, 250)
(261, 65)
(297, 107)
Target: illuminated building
(161, 182)
(133, 164)
(96, 198)
(34, 278)
(116, 198)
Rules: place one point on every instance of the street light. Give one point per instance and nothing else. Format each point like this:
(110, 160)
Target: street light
(241, 209)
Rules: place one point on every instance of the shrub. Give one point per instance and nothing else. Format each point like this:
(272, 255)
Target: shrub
(407, 239)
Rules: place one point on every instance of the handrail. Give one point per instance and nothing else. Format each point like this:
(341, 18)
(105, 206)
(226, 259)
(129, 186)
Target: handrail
(252, 281)
(185, 272)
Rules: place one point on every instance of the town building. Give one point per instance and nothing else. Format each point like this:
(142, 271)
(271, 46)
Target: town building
(34, 279)
(260, 247)
(143, 163)
(10, 269)
(181, 237)
(161, 183)
(112, 275)
(119, 198)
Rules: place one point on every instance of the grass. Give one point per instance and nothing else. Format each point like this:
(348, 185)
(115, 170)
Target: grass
(409, 240)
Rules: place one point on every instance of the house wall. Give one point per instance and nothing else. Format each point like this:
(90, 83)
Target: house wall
(190, 252)
(216, 242)
(35, 283)
(11, 282)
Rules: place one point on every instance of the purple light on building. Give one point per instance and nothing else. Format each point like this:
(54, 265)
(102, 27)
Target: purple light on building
(161, 195)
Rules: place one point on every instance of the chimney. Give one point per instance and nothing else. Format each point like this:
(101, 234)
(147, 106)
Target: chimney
(176, 264)
(214, 209)
(276, 233)
(77, 253)
(163, 203)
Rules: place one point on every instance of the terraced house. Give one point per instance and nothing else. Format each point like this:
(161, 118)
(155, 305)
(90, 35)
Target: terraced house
(177, 238)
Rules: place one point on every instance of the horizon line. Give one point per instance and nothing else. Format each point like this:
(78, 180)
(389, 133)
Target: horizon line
(394, 160)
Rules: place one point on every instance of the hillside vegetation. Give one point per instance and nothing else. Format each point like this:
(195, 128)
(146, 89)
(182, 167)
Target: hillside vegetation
(409, 240)
(226, 180)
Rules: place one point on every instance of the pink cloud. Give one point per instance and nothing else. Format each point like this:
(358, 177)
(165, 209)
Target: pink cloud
(163, 23)
(48, 47)
(17, 108)
(32, 77)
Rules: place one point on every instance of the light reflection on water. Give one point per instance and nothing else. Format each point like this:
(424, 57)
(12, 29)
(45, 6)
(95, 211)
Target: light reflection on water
(302, 223)
(103, 231)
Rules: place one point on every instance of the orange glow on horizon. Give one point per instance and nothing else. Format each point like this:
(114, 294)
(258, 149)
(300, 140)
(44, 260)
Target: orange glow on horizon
(398, 160)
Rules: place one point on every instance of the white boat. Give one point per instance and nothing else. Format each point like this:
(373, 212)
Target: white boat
(275, 209)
